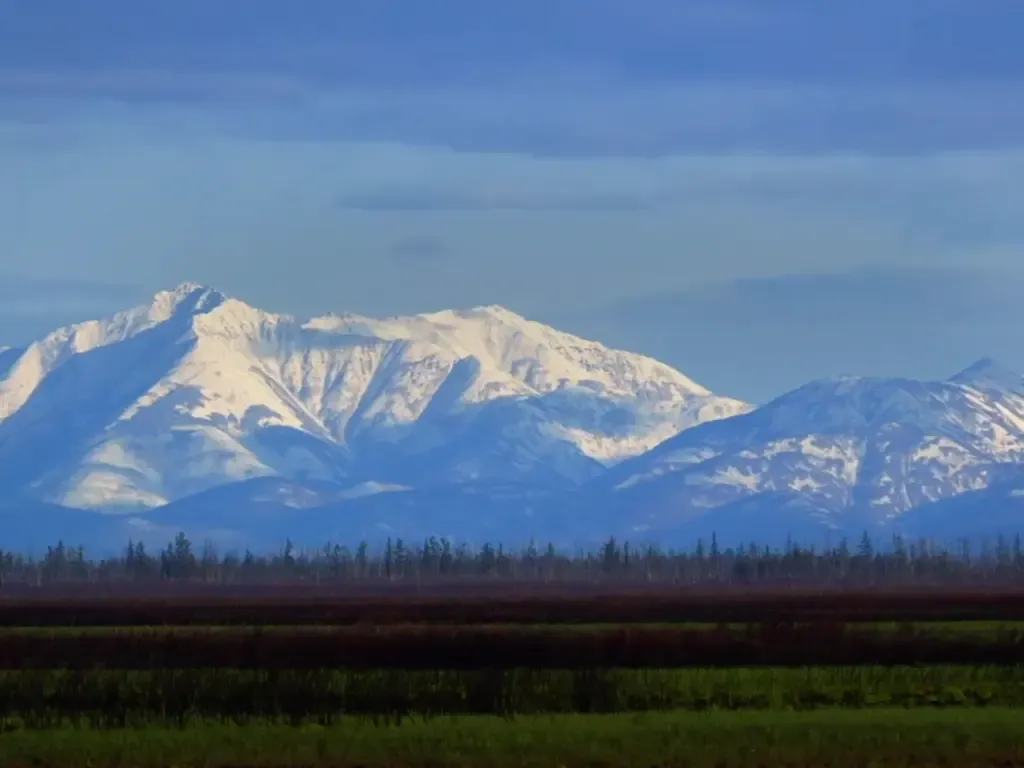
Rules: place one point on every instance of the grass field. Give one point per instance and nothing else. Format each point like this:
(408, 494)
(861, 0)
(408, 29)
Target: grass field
(760, 680)
(890, 738)
(117, 698)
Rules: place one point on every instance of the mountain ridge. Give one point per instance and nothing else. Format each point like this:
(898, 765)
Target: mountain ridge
(196, 408)
(338, 398)
(865, 448)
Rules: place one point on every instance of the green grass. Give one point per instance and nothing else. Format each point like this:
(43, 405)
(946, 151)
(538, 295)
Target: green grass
(117, 697)
(835, 738)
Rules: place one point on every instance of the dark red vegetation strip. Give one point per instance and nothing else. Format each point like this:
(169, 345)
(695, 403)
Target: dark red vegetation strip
(653, 607)
(481, 648)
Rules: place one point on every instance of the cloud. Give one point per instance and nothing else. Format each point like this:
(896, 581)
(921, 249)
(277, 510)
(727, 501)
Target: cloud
(32, 306)
(18, 328)
(868, 296)
(421, 250)
(757, 338)
(25, 291)
(413, 198)
(148, 207)
(155, 86)
(612, 117)
(577, 112)
(945, 201)
(393, 41)
(558, 77)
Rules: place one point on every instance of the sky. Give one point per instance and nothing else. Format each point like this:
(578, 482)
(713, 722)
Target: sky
(758, 192)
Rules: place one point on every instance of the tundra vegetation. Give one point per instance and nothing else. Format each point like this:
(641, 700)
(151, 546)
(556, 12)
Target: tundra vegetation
(904, 655)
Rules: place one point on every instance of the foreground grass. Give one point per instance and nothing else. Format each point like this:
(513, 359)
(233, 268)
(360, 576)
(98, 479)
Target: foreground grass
(117, 698)
(962, 738)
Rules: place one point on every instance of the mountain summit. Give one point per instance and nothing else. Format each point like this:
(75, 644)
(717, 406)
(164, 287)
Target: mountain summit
(194, 390)
(990, 374)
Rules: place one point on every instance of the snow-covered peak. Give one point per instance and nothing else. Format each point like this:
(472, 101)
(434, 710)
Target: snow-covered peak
(524, 356)
(192, 298)
(542, 358)
(194, 388)
(496, 311)
(23, 375)
(989, 418)
(988, 373)
(855, 402)
(866, 446)
(183, 290)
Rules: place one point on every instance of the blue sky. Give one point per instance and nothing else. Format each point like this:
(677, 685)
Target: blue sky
(758, 192)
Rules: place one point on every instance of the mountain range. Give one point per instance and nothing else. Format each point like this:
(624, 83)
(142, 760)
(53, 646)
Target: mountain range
(197, 412)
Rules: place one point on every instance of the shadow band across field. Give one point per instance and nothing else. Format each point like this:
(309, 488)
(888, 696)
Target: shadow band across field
(481, 648)
(483, 602)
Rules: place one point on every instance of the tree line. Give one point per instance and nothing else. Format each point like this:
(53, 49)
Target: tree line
(899, 562)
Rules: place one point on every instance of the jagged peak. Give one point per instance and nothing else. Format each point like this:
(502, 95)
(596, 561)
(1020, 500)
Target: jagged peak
(189, 297)
(187, 289)
(482, 311)
(496, 310)
(443, 316)
(488, 332)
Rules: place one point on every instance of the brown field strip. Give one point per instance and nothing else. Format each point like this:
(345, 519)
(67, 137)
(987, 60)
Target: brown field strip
(303, 608)
(437, 647)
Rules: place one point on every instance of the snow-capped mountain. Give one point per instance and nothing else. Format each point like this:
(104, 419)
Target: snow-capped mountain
(198, 412)
(195, 390)
(847, 453)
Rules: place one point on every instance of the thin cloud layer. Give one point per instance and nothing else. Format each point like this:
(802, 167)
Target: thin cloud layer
(522, 230)
(559, 77)
(875, 295)
(543, 116)
(395, 42)
(20, 290)
(411, 198)
(32, 305)
(419, 250)
(779, 332)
